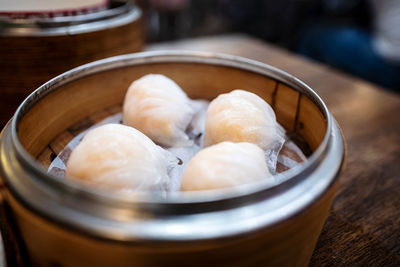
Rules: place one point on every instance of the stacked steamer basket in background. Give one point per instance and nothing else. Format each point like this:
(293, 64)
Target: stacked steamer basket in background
(41, 39)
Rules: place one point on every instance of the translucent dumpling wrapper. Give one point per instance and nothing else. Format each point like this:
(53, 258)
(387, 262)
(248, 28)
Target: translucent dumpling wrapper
(158, 107)
(241, 116)
(225, 165)
(120, 158)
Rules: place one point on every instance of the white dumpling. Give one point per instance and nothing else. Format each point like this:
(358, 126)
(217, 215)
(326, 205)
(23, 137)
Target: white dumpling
(118, 157)
(157, 106)
(225, 165)
(241, 116)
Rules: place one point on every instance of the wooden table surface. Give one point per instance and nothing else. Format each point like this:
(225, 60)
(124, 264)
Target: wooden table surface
(364, 224)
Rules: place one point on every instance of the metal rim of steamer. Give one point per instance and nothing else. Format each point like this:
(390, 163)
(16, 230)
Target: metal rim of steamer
(119, 13)
(87, 210)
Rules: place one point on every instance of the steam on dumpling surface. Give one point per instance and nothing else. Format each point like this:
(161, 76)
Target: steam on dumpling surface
(241, 116)
(157, 106)
(225, 165)
(118, 157)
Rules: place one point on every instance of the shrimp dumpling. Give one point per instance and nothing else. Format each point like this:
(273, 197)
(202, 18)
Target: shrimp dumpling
(241, 116)
(116, 157)
(225, 165)
(157, 106)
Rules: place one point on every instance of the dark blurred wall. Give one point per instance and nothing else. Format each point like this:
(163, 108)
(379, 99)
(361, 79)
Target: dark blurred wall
(339, 33)
(279, 22)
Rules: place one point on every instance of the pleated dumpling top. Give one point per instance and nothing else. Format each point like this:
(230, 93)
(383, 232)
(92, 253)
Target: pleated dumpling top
(241, 116)
(158, 107)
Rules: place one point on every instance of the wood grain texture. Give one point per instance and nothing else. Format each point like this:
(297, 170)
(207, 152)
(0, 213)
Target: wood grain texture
(286, 107)
(364, 225)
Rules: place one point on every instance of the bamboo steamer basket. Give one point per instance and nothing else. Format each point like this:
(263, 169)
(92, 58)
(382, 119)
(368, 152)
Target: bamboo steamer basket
(35, 49)
(66, 225)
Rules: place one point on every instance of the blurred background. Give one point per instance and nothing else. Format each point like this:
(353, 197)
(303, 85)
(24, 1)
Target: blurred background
(40, 39)
(360, 37)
